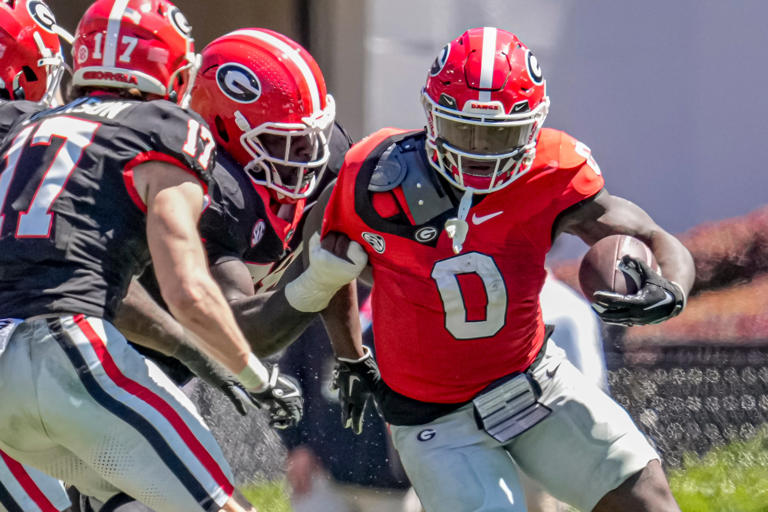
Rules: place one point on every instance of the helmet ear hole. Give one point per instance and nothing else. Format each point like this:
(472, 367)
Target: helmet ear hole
(29, 74)
(221, 128)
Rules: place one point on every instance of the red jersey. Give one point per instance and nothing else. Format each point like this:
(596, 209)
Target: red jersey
(446, 325)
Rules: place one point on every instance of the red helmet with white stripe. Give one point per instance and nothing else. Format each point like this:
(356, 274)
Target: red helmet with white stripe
(264, 97)
(485, 100)
(134, 44)
(31, 65)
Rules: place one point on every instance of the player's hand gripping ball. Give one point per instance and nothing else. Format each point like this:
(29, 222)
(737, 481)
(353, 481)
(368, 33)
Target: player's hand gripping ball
(621, 277)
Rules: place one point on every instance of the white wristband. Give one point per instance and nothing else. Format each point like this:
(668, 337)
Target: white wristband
(366, 355)
(255, 376)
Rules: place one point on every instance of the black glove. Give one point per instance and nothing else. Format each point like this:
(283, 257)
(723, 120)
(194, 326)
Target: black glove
(214, 375)
(356, 380)
(657, 300)
(282, 399)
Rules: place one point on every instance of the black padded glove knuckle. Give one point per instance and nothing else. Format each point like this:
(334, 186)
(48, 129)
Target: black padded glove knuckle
(657, 300)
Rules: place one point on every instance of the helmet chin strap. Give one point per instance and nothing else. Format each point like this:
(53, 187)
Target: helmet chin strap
(457, 227)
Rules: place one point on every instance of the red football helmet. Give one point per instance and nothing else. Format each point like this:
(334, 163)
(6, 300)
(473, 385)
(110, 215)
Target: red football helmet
(264, 97)
(31, 65)
(141, 44)
(485, 100)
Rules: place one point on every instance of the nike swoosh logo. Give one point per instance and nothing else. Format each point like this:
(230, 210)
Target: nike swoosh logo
(669, 298)
(476, 219)
(353, 379)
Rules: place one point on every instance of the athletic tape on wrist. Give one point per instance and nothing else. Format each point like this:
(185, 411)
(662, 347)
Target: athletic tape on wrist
(366, 355)
(307, 295)
(255, 376)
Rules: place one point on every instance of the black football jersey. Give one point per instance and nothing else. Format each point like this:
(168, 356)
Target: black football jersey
(12, 112)
(72, 226)
(241, 223)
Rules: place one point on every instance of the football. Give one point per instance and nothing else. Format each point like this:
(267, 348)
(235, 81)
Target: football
(599, 268)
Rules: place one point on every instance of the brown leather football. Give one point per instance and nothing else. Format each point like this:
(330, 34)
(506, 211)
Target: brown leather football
(599, 269)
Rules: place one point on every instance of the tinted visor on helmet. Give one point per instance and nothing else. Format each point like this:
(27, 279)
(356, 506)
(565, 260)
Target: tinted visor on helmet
(482, 138)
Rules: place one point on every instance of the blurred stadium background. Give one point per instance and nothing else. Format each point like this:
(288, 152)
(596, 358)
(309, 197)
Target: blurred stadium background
(671, 97)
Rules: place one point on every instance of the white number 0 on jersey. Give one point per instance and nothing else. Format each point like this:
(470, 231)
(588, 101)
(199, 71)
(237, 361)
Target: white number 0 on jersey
(444, 274)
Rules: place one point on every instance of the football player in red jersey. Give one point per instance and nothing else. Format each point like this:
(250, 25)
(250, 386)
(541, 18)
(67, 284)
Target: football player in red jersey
(456, 221)
(89, 192)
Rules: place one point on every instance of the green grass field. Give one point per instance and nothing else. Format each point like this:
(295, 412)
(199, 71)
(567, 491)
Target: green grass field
(269, 496)
(733, 478)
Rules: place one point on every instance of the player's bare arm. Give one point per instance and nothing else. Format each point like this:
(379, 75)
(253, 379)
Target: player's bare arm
(268, 320)
(661, 296)
(174, 202)
(341, 317)
(142, 320)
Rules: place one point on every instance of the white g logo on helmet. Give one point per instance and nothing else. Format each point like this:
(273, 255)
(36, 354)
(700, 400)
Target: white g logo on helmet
(534, 70)
(42, 15)
(440, 60)
(238, 83)
(179, 22)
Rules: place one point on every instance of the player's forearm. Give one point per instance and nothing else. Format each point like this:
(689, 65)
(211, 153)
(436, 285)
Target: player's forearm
(674, 259)
(198, 305)
(342, 321)
(141, 319)
(268, 321)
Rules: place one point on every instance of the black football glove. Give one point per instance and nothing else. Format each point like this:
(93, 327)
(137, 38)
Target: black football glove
(657, 299)
(356, 380)
(282, 399)
(214, 375)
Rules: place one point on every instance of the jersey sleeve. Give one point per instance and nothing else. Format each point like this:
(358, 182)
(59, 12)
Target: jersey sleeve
(224, 225)
(176, 136)
(341, 204)
(580, 176)
(340, 214)
(13, 111)
(339, 145)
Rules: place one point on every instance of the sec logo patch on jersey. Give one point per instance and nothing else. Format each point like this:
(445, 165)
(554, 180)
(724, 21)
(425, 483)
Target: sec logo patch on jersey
(375, 241)
(258, 232)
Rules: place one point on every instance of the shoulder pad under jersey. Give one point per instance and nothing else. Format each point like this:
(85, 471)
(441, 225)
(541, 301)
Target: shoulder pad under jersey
(338, 146)
(559, 149)
(404, 163)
